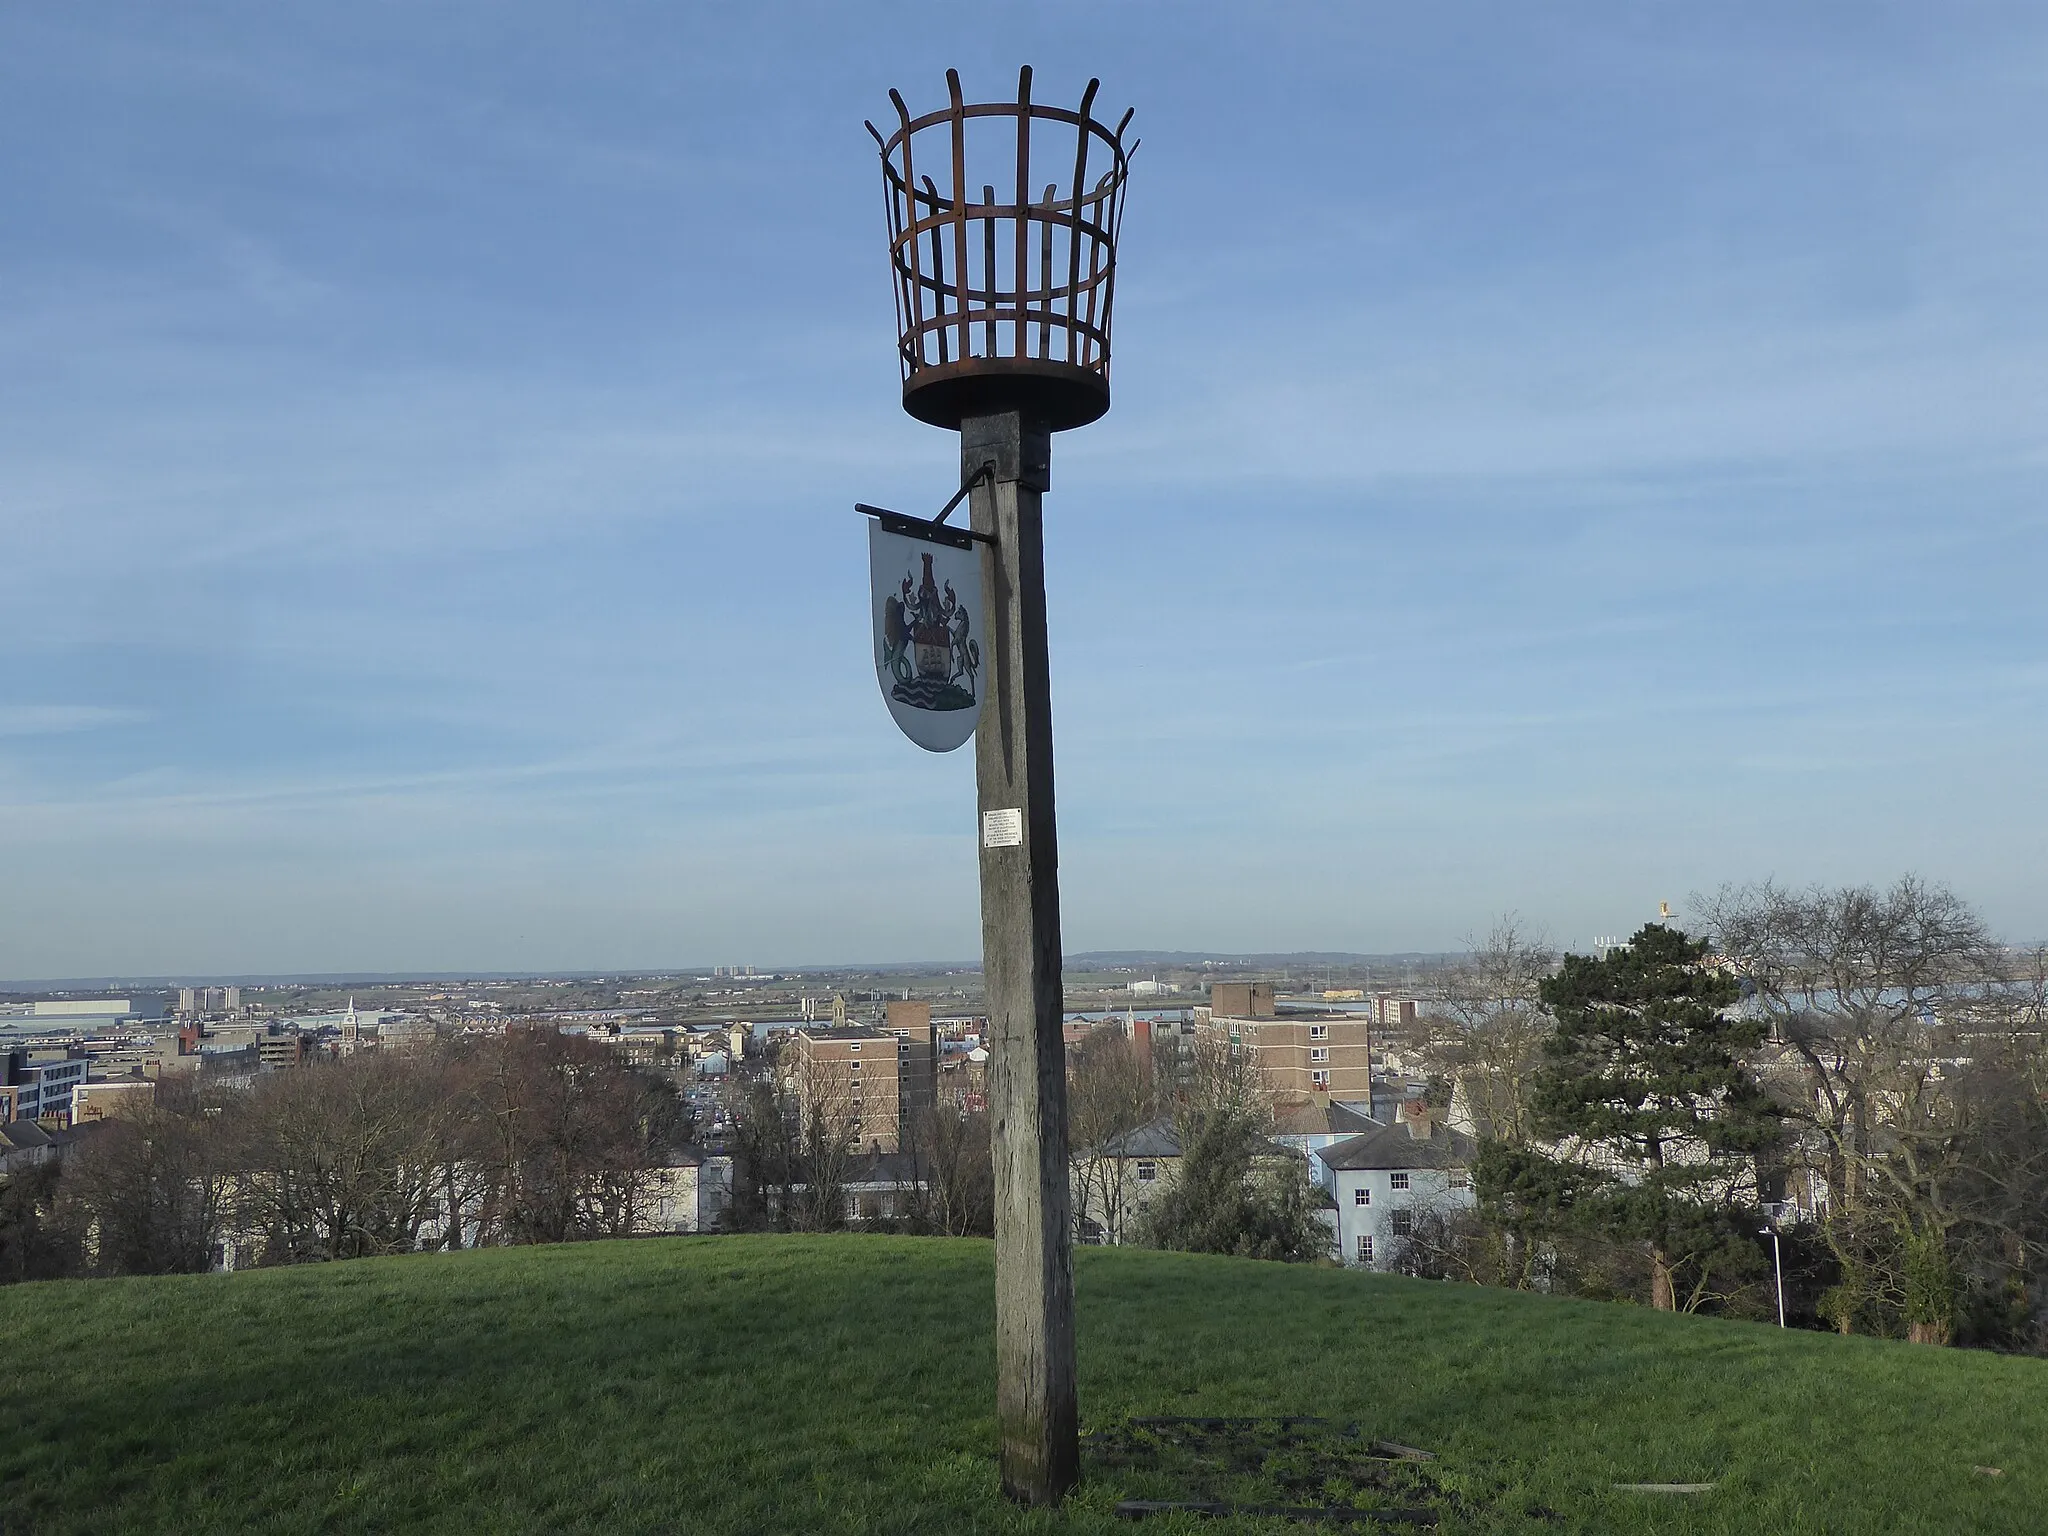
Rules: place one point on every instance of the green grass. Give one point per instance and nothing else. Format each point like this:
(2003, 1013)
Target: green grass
(762, 1384)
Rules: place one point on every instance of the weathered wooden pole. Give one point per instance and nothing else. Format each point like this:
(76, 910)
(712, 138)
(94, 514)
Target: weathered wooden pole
(1020, 961)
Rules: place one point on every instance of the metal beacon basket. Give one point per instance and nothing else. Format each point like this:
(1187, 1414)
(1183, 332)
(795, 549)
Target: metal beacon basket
(1004, 306)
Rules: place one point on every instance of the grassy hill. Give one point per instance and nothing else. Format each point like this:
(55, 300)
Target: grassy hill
(762, 1384)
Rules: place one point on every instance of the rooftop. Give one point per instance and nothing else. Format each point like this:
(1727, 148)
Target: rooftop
(1286, 1015)
(1156, 1139)
(1392, 1146)
(1325, 1118)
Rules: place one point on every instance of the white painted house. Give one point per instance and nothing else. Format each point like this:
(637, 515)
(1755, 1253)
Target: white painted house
(1319, 1123)
(1388, 1179)
(1114, 1184)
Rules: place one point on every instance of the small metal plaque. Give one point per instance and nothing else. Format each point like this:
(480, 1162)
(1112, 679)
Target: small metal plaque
(1002, 829)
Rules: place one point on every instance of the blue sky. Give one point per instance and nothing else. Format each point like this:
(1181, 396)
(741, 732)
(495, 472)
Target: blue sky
(1562, 458)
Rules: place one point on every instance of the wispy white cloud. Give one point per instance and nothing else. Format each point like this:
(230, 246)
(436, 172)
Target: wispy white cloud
(62, 719)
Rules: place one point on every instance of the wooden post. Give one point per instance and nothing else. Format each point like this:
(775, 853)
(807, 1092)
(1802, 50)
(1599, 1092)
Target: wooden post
(1020, 958)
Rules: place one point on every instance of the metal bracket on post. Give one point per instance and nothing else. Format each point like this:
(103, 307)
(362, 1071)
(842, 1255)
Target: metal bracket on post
(986, 472)
(934, 529)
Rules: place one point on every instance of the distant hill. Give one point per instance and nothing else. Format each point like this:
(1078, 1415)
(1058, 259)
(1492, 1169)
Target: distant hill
(1100, 959)
(1104, 959)
(311, 979)
(845, 1384)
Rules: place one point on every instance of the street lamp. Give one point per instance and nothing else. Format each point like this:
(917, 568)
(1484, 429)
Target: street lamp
(1778, 1265)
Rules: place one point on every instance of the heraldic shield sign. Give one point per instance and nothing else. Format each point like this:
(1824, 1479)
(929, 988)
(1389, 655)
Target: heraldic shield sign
(927, 598)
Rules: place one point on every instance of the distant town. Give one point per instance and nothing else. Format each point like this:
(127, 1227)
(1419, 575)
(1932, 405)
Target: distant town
(1852, 1075)
(711, 1036)
(72, 1055)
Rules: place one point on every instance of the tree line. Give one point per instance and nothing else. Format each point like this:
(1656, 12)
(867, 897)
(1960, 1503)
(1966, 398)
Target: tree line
(794, 1169)
(793, 1172)
(531, 1136)
(1862, 1072)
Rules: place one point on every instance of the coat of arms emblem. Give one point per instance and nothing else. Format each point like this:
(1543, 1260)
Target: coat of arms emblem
(927, 635)
(928, 644)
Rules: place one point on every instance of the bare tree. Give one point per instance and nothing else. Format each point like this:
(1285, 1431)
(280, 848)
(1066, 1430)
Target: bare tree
(1112, 1090)
(793, 1148)
(825, 1153)
(1487, 1026)
(825, 1144)
(529, 1137)
(1220, 1074)
(1899, 1029)
(575, 1136)
(465, 1144)
(953, 1189)
(340, 1161)
(149, 1192)
(1855, 985)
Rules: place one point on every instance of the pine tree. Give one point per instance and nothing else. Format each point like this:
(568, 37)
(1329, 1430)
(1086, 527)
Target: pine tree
(1644, 1071)
(1232, 1195)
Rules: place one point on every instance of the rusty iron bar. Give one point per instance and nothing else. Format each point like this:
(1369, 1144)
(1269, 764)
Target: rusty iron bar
(957, 118)
(1045, 274)
(964, 335)
(1019, 342)
(937, 326)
